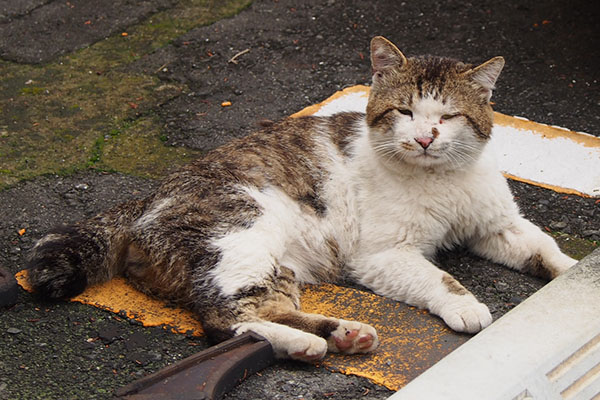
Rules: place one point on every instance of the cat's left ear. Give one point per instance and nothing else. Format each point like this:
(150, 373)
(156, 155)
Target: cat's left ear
(487, 73)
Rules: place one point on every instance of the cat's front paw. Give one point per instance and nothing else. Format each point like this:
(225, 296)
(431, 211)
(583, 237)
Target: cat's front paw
(466, 314)
(548, 267)
(353, 337)
(563, 264)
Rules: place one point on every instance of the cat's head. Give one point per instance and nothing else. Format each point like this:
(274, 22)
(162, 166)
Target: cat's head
(429, 111)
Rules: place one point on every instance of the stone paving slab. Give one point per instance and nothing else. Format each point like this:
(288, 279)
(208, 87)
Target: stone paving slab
(38, 31)
(10, 9)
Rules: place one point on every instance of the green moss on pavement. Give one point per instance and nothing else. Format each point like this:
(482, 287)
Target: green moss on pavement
(574, 246)
(138, 150)
(85, 111)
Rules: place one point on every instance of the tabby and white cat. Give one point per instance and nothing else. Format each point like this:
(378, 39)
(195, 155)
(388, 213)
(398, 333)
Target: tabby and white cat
(233, 235)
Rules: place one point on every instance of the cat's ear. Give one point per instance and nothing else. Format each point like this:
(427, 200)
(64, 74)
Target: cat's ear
(384, 56)
(487, 73)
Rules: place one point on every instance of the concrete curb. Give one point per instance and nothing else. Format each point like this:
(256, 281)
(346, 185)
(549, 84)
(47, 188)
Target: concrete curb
(546, 348)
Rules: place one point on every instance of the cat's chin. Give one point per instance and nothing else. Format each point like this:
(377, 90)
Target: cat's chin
(430, 163)
(440, 159)
(426, 160)
(426, 157)
(413, 164)
(427, 164)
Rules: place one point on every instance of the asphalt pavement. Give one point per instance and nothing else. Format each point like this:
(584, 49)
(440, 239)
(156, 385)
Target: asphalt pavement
(99, 99)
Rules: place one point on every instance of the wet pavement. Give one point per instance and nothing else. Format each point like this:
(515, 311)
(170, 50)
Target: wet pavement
(98, 99)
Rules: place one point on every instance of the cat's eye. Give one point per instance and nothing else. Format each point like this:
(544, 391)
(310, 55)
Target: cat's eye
(404, 111)
(446, 117)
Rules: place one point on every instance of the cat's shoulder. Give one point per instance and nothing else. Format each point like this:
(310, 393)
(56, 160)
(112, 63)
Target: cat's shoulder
(341, 123)
(341, 129)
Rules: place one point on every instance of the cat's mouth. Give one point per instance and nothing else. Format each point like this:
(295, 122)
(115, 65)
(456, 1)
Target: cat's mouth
(426, 155)
(419, 153)
(424, 158)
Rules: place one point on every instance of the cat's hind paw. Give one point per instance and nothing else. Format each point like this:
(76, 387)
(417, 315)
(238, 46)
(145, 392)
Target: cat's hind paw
(308, 348)
(466, 315)
(353, 337)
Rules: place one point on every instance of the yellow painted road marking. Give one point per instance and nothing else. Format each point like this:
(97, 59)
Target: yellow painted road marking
(119, 297)
(411, 340)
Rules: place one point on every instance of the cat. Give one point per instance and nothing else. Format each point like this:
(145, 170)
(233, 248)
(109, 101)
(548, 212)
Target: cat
(233, 235)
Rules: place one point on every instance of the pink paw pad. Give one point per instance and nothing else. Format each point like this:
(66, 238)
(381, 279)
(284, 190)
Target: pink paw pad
(351, 341)
(353, 337)
(366, 341)
(347, 341)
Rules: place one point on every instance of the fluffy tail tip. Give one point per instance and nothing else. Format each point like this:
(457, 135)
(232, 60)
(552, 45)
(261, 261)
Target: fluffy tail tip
(54, 266)
(51, 283)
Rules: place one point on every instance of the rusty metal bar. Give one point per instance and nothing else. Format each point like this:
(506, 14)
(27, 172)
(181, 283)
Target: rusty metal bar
(206, 375)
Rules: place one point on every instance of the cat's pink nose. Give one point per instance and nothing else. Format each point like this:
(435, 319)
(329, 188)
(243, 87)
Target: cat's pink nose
(424, 141)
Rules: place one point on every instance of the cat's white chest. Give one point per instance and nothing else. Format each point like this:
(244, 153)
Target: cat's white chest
(425, 211)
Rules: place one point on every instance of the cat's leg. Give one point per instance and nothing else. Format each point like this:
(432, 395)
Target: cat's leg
(523, 246)
(292, 334)
(348, 337)
(406, 275)
(272, 310)
(287, 342)
(280, 305)
(342, 336)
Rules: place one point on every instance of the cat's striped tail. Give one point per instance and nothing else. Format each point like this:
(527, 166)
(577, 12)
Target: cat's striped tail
(70, 258)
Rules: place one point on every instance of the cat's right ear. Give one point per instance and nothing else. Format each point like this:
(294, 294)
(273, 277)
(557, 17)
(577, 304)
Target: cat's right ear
(385, 56)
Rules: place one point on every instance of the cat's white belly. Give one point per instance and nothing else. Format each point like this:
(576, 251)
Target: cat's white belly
(284, 235)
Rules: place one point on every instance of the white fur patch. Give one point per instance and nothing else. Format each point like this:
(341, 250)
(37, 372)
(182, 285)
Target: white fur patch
(251, 255)
(150, 216)
(425, 207)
